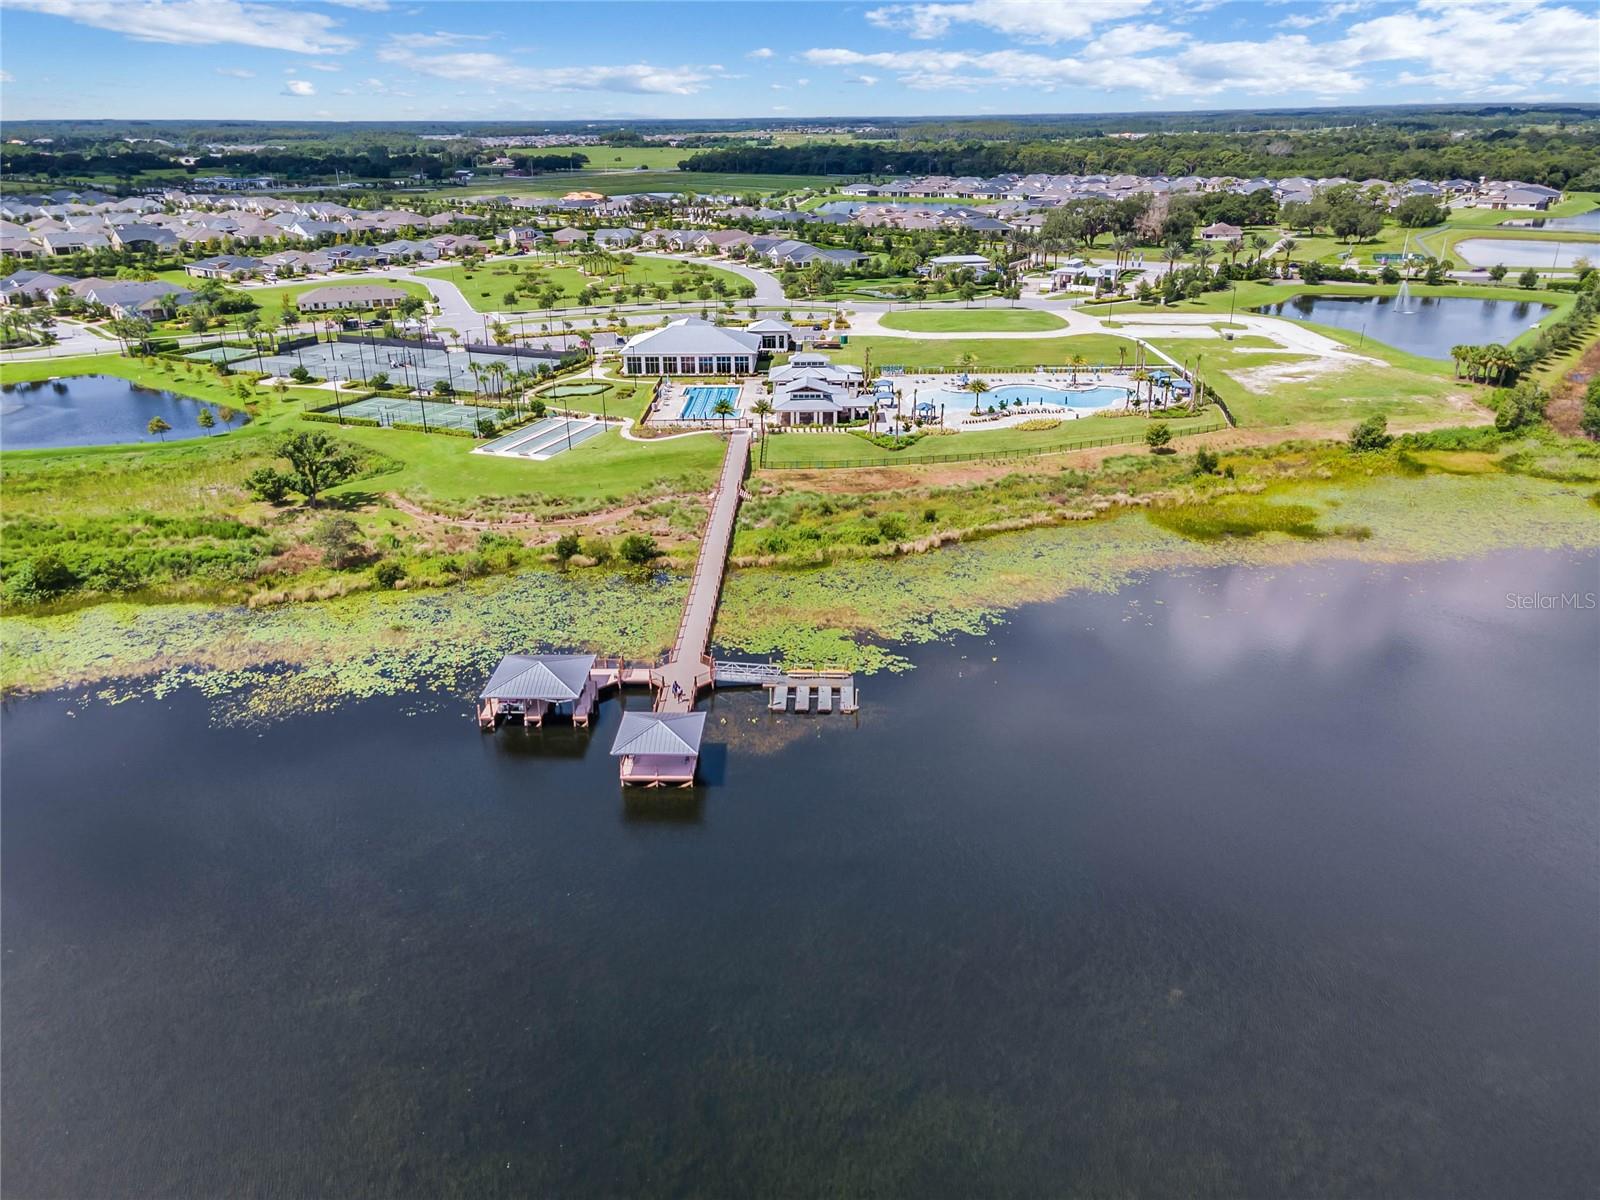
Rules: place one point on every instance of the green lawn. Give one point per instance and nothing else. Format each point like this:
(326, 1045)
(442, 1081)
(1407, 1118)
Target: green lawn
(485, 286)
(618, 158)
(831, 448)
(436, 465)
(973, 320)
(624, 398)
(1011, 354)
(1292, 389)
(612, 183)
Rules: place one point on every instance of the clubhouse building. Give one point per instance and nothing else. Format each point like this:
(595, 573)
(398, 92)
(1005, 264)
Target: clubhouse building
(692, 346)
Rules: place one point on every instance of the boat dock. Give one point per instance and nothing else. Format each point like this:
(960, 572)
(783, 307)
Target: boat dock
(662, 747)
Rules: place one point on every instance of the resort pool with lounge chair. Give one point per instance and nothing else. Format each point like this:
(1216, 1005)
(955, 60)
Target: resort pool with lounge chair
(1033, 395)
(698, 402)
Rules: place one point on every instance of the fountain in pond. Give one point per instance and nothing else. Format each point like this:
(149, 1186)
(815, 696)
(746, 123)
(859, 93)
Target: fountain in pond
(1402, 298)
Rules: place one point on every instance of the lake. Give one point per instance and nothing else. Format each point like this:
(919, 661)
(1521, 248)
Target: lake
(1235, 882)
(1428, 326)
(1525, 252)
(1589, 222)
(92, 410)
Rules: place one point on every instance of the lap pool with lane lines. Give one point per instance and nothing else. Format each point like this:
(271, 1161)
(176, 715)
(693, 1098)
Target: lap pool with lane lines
(699, 401)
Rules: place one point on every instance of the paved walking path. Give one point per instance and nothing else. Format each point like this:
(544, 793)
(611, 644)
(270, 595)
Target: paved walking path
(679, 680)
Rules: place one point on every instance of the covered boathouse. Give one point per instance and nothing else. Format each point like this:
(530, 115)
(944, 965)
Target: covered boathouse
(659, 748)
(531, 687)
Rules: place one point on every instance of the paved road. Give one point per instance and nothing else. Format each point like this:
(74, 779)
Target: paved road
(72, 339)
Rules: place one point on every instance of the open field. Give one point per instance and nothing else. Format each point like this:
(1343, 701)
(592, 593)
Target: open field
(973, 320)
(615, 158)
(789, 448)
(1013, 354)
(619, 183)
(485, 286)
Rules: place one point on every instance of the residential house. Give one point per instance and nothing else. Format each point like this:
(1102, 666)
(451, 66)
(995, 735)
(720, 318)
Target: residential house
(224, 266)
(569, 237)
(31, 286)
(1220, 232)
(613, 239)
(945, 264)
(362, 295)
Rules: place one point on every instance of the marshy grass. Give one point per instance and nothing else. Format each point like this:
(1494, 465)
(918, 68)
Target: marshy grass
(1237, 517)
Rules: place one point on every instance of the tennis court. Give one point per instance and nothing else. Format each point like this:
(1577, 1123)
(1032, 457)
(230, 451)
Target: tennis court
(436, 414)
(700, 401)
(414, 366)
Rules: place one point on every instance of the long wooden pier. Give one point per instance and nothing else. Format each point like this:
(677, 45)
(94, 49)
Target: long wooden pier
(688, 667)
(662, 747)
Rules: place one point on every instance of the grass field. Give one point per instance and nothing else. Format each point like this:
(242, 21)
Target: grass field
(1012, 354)
(973, 320)
(424, 465)
(485, 286)
(614, 183)
(790, 448)
(619, 158)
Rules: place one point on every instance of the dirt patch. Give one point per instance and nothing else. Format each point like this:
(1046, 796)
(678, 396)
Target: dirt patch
(605, 516)
(1266, 379)
(1566, 397)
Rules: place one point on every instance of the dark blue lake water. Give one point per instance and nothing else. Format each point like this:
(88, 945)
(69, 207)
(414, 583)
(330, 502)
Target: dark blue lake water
(1425, 326)
(93, 410)
(1589, 222)
(1233, 883)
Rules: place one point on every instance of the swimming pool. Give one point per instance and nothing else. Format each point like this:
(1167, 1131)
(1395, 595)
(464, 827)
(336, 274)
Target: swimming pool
(1037, 395)
(698, 402)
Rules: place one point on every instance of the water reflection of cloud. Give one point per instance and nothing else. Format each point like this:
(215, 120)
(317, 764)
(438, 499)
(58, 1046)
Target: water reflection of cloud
(1331, 619)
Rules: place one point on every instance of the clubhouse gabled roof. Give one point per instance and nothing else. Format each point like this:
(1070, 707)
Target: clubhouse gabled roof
(556, 678)
(675, 734)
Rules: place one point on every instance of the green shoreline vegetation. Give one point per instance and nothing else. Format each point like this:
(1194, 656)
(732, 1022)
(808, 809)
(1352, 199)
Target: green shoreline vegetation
(873, 577)
(185, 560)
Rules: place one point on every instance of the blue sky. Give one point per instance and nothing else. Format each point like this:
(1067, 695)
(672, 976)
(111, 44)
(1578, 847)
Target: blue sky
(460, 59)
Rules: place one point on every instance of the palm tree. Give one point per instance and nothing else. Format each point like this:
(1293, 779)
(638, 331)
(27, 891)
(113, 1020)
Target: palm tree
(762, 409)
(1258, 243)
(1077, 364)
(1235, 245)
(1287, 246)
(1498, 361)
(1171, 254)
(1202, 253)
(723, 409)
(1140, 377)
(1459, 355)
(158, 427)
(977, 387)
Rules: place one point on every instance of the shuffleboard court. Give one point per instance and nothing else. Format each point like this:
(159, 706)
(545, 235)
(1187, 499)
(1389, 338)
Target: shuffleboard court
(544, 439)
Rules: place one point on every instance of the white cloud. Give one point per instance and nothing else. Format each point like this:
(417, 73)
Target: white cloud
(431, 41)
(760, 52)
(299, 87)
(484, 67)
(7, 77)
(1044, 22)
(364, 5)
(1197, 69)
(865, 80)
(204, 22)
(1474, 45)
(236, 72)
(322, 66)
